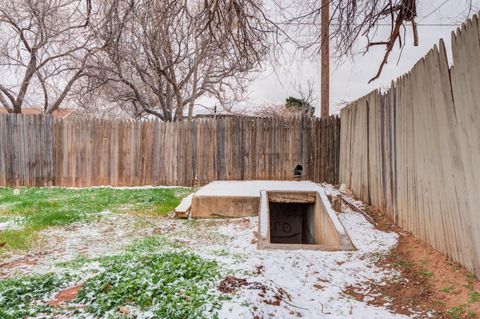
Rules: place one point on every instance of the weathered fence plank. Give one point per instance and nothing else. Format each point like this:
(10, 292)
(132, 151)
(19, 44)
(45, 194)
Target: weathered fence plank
(414, 150)
(27, 155)
(465, 83)
(36, 151)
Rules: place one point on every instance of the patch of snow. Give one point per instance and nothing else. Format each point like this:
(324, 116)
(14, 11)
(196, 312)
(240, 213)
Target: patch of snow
(311, 283)
(125, 187)
(288, 284)
(7, 225)
(330, 190)
(108, 236)
(253, 188)
(104, 212)
(11, 224)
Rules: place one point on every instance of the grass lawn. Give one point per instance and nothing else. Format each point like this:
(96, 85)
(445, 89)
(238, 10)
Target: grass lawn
(132, 264)
(39, 208)
(152, 275)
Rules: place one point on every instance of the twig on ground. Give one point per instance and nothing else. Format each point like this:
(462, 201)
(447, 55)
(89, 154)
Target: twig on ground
(306, 274)
(358, 210)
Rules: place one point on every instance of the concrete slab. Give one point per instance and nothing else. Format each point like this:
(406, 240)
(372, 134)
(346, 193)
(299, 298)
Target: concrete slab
(253, 188)
(230, 199)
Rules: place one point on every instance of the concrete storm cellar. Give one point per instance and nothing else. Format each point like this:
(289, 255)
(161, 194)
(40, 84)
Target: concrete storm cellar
(291, 214)
(292, 223)
(300, 220)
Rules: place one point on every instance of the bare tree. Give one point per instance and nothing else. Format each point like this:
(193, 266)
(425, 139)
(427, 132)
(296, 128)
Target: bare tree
(159, 57)
(244, 24)
(352, 19)
(163, 55)
(44, 49)
(293, 106)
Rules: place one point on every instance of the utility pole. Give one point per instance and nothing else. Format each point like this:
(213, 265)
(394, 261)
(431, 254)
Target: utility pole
(325, 59)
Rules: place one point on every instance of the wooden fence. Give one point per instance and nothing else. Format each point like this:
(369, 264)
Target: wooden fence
(37, 151)
(414, 151)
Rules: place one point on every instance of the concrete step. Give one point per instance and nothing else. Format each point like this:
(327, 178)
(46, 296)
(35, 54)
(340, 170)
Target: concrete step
(183, 209)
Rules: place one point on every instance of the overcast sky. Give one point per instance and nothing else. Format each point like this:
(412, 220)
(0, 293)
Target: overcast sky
(349, 80)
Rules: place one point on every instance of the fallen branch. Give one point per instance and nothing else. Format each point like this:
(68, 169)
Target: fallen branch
(358, 210)
(288, 296)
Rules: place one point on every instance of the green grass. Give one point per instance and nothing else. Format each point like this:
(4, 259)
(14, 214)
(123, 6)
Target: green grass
(424, 273)
(460, 312)
(474, 296)
(456, 312)
(20, 296)
(151, 244)
(176, 285)
(17, 239)
(403, 264)
(448, 290)
(169, 284)
(40, 208)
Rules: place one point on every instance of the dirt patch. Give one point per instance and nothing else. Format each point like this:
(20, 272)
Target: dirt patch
(26, 261)
(231, 284)
(259, 270)
(428, 280)
(162, 230)
(62, 244)
(275, 300)
(64, 296)
(239, 223)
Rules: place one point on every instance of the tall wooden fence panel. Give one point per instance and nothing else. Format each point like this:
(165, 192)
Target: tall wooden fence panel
(26, 150)
(465, 83)
(37, 150)
(414, 150)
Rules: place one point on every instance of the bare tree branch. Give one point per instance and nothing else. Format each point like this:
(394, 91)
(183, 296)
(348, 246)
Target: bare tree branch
(162, 56)
(351, 20)
(43, 46)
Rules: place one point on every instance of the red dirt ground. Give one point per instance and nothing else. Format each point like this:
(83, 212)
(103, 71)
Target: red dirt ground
(65, 295)
(433, 281)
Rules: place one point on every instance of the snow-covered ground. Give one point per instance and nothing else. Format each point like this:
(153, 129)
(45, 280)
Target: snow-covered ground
(279, 284)
(307, 284)
(10, 224)
(107, 236)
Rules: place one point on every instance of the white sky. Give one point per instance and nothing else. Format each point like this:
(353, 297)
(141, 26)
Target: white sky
(349, 80)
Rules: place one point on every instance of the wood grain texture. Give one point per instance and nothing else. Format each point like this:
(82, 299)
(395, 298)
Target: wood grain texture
(413, 151)
(40, 151)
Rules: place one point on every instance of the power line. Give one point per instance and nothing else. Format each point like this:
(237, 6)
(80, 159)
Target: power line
(431, 24)
(379, 24)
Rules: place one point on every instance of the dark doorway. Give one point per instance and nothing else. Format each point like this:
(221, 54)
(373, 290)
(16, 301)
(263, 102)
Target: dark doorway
(291, 223)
